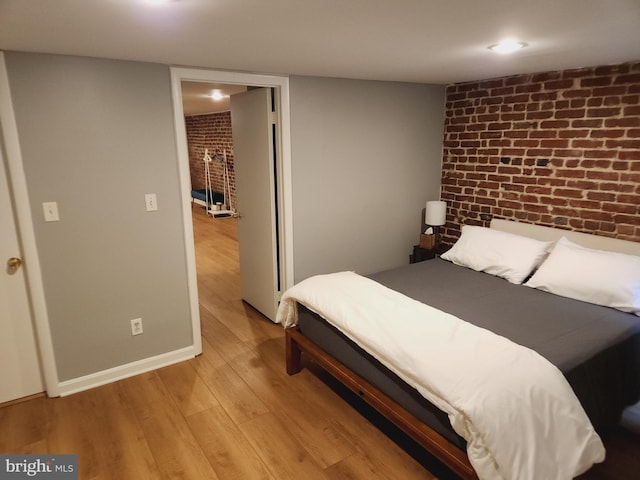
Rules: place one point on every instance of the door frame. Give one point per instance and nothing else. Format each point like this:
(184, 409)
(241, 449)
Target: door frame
(283, 170)
(9, 140)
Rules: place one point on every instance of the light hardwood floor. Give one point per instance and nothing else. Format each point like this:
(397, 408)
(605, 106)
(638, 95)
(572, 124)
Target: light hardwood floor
(231, 413)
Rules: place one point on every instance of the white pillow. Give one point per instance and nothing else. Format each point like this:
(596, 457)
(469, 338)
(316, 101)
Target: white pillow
(594, 276)
(506, 255)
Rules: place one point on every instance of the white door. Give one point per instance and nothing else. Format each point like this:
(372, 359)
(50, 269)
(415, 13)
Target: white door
(20, 374)
(253, 125)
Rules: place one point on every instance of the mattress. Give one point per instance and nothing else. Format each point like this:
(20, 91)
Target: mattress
(213, 196)
(597, 348)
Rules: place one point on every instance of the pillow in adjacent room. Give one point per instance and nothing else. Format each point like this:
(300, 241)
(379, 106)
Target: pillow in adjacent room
(507, 255)
(594, 276)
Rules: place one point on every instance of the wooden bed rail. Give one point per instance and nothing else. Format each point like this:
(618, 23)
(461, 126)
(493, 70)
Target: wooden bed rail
(430, 440)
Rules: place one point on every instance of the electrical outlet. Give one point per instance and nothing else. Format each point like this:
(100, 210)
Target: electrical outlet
(136, 326)
(151, 202)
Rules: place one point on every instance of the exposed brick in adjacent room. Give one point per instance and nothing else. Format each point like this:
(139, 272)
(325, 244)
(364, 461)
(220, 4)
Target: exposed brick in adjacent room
(560, 149)
(213, 132)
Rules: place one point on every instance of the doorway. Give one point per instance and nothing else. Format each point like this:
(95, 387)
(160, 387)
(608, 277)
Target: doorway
(20, 374)
(210, 150)
(27, 278)
(282, 168)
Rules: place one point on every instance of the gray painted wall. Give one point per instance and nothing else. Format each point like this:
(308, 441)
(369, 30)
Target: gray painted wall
(366, 156)
(96, 135)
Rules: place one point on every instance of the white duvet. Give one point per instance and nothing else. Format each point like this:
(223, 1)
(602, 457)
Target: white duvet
(518, 414)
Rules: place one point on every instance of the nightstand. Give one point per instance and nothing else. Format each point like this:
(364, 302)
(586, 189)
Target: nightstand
(420, 254)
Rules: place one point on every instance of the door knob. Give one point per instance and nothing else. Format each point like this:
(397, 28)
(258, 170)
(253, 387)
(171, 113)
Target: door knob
(13, 264)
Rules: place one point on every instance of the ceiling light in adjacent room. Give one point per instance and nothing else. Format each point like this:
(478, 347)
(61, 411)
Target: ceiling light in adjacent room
(507, 46)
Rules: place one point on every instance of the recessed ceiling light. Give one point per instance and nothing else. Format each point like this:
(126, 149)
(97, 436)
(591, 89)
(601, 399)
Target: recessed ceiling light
(507, 46)
(217, 96)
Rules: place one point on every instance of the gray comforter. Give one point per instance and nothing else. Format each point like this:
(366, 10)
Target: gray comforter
(597, 348)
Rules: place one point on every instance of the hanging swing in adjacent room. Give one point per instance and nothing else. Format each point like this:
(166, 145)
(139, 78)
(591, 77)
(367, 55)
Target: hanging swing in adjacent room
(218, 204)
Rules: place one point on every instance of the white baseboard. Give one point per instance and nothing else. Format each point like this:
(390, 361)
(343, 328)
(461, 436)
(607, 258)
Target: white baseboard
(97, 379)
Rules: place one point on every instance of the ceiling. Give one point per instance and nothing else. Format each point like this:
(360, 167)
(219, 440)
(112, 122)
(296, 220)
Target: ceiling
(425, 41)
(196, 97)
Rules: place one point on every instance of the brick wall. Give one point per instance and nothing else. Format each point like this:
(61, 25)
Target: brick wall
(560, 149)
(212, 131)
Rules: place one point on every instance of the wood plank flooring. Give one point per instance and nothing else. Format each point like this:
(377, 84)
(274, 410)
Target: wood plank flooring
(233, 413)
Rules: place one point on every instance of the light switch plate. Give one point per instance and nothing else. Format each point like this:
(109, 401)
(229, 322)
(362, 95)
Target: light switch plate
(50, 211)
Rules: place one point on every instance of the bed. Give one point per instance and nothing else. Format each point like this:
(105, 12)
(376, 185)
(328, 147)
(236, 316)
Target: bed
(202, 197)
(596, 347)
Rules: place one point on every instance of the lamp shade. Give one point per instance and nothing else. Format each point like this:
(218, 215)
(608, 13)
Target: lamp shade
(436, 213)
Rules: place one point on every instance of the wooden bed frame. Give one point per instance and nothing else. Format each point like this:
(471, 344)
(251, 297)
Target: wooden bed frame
(433, 442)
(430, 440)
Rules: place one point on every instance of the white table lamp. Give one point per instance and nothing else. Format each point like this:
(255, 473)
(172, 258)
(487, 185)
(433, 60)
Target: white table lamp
(435, 213)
